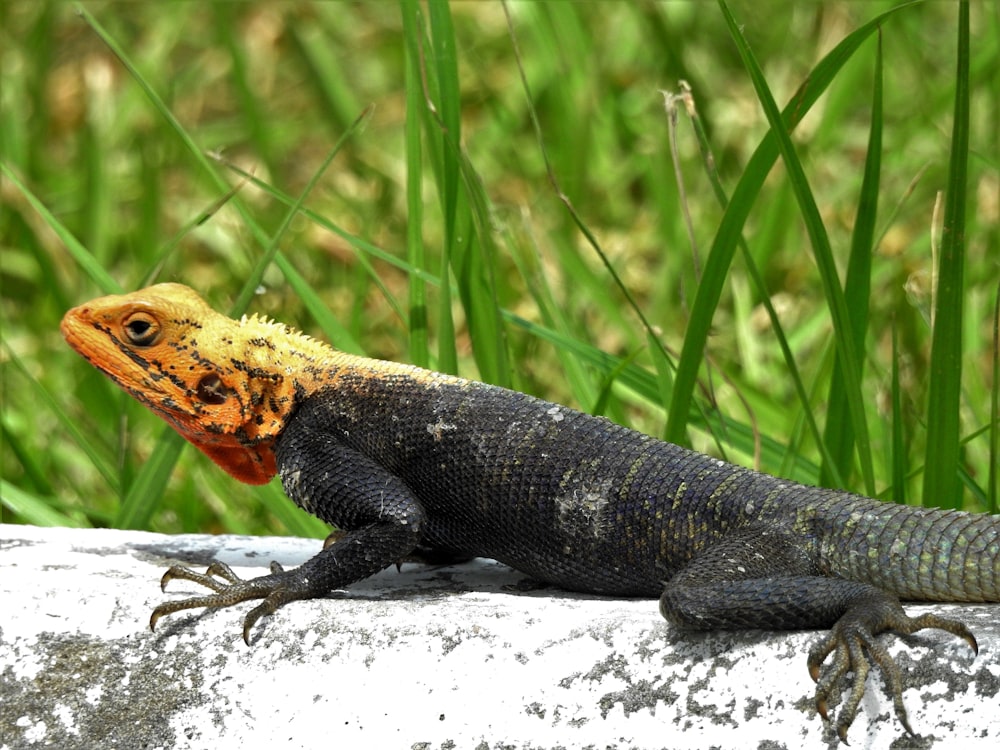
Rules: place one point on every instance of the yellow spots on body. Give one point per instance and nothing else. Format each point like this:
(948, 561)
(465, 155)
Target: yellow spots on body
(898, 547)
(679, 496)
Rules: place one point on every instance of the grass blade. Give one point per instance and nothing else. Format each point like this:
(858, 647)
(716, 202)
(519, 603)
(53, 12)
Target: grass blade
(821, 248)
(446, 169)
(55, 406)
(664, 362)
(730, 228)
(757, 278)
(84, 258)
(898, 458)
(941, 478)
(334, 331)
(257, 274)
(143, 496)
(33, 509)
(417, 319)
(992, 492)
(838, 436)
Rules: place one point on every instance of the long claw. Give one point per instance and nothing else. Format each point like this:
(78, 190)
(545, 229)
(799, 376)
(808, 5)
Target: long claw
(842, 734)
(206, 579)
(276, 589)
(852, 641)
(821, 709)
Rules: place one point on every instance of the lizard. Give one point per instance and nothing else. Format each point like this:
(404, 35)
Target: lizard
(402, 460)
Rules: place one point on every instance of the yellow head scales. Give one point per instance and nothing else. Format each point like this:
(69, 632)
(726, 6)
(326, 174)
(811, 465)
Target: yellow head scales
(226, 386)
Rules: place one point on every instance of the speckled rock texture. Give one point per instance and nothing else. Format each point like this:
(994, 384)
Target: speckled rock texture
(465, 656)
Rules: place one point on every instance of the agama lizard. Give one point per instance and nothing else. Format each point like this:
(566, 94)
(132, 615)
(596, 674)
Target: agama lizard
(401, 459)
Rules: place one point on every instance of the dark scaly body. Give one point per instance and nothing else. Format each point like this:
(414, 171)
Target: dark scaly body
(586, 504)
(403, 459)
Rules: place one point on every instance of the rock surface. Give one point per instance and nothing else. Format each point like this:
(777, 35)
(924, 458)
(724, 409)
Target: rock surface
(465, 656)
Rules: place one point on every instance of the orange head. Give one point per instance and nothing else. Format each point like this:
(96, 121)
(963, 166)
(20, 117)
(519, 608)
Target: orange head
(227, 386)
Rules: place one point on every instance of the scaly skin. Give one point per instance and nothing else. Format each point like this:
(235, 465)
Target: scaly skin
(404, 460)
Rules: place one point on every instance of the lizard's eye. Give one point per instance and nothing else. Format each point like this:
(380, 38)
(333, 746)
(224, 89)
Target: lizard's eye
(142, 329)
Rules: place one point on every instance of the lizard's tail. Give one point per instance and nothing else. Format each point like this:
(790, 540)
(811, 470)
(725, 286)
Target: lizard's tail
(917, 553)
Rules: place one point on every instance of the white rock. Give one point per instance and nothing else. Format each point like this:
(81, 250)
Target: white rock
(463, 656)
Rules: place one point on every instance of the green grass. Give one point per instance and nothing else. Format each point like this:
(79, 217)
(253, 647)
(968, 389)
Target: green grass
(806, 282)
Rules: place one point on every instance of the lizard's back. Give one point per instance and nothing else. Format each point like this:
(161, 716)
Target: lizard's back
(587, 504)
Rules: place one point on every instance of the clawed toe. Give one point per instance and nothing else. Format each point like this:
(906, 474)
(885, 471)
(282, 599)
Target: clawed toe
(855, 650)
(228, 589)
(208, 579)
(276, 589)
(852, 641)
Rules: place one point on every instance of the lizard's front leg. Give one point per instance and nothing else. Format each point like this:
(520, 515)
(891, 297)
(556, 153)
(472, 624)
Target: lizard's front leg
(381, 519)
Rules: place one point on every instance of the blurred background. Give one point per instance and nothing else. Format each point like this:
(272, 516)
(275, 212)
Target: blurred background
(125, 125)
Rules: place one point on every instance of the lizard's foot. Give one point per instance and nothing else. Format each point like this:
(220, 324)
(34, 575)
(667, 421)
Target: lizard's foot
(852, 639)
(349, 557)
(276, 589)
